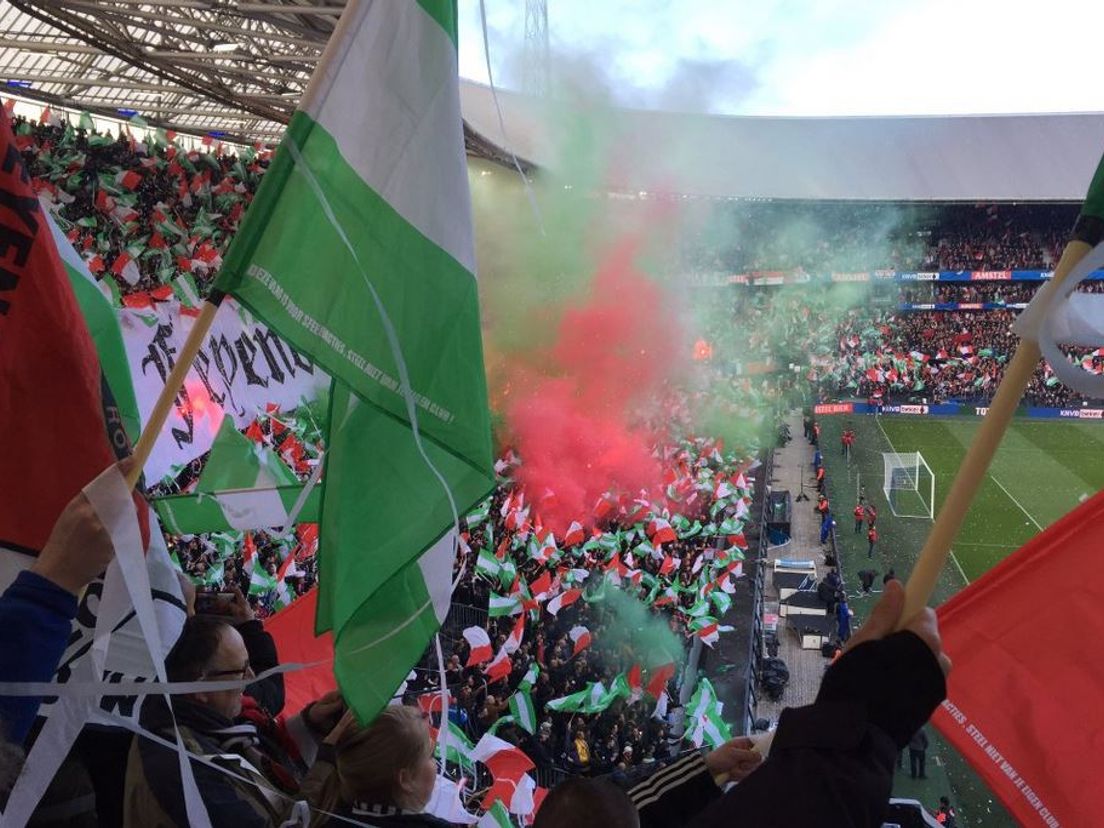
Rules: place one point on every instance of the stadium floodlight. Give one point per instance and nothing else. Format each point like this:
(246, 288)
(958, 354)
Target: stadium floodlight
(908, 484)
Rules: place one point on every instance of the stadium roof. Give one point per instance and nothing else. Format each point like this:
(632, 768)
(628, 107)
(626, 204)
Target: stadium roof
(947, 158)
(198, 65)
(237, 69)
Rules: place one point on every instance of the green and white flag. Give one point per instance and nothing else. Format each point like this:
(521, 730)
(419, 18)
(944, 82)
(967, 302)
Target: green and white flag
(730, 526)
(530, 677)
(244, 485)
(700, 609)
(214, 575)
(704, 723)
(619, 689)
(591, 699)
(225, 544)
(501, 605)
(260, 582)
(103, 325)
(521, 708)
(721, 600)
(507, 572)
(497, 817)
(459, 747)
(479, 514)
(358, 250)
(487, 564)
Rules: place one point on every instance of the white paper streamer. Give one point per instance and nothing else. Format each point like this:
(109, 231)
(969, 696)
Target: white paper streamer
(110, 497)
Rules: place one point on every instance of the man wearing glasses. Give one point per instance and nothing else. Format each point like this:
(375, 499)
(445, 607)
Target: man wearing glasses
(268, 766)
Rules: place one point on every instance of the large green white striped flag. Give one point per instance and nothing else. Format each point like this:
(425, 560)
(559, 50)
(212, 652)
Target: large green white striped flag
(358, 250)
(501, 605)
(591, 699)
(459, 747)
(244, 485)
(704, 723)
(521, 708)
(284, 593)
(487, 564)
(497, 817)
(260, 582)
(103, 325)
(530, 677)
(479, 514)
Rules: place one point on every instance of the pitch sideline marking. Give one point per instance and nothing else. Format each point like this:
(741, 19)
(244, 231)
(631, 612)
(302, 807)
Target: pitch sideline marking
(893, 448)
(1020, 505)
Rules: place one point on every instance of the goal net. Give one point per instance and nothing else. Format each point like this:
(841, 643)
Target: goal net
(908, 484)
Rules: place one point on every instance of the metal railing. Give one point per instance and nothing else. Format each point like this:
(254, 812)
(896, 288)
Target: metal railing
(756, 642)
(461, 616)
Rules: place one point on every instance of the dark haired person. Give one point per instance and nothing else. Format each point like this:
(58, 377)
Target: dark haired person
(269, 766)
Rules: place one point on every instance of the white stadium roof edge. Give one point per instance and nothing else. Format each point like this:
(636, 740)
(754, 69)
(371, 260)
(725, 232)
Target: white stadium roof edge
(236, 68)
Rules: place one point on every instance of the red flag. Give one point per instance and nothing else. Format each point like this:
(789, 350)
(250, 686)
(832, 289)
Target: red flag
(480, 644)
(660, 531)
(658, 678)
(499, 668)
(513, 640)
(1026, 686)
(254, 432)
(636, 682)
(431, 702)
(292, 629)
(249, 553)
(574, 534)
(308, 541)
(53, 436)
(564, 599)
(580, 637)
(541, 586)
(128, 179)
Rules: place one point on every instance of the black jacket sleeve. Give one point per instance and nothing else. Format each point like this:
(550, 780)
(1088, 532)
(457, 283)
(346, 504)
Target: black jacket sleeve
(269, 692)
(672, 795)
(831, 763)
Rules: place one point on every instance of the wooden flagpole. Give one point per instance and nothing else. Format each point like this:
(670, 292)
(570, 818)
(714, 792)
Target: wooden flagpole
(173, 384)
(1087, 233)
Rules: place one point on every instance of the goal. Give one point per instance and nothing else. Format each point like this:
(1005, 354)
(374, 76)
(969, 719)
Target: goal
(908, 484)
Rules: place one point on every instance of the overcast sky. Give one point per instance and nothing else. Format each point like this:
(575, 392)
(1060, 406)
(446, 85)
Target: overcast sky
(800, 57)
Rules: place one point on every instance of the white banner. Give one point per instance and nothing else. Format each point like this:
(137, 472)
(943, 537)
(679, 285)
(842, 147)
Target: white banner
(241, 367)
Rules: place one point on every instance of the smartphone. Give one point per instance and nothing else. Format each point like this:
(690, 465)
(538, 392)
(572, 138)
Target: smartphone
(213, 603)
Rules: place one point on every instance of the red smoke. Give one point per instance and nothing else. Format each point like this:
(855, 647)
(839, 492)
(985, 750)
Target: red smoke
(572, 425)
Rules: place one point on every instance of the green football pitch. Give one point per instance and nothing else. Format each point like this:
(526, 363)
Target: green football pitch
(1042, 470)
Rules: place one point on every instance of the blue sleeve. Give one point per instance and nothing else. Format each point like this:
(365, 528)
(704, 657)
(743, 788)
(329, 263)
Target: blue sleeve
(35, 620)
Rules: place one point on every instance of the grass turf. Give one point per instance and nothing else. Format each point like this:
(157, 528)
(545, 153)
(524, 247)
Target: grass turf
(1041, 471)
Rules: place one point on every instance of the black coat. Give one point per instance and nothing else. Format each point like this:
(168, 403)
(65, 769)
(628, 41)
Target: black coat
(832, 762)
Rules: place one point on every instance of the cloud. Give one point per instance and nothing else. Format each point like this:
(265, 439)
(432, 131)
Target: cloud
(799, 57)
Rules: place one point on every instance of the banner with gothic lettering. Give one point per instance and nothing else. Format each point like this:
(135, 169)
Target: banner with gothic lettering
(241, 367)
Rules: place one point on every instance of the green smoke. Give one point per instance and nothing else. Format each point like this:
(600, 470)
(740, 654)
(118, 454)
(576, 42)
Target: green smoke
(631, 628)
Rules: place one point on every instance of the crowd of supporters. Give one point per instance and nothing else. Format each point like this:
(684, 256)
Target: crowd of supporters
(825, 237)
(592, 623)
(995, 292)
(891, 356)
(641, 591)
(141, 212)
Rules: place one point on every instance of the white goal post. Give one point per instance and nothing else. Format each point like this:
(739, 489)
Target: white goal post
(908, 484)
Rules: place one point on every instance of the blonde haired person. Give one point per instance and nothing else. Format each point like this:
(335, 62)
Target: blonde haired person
(383, 773)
